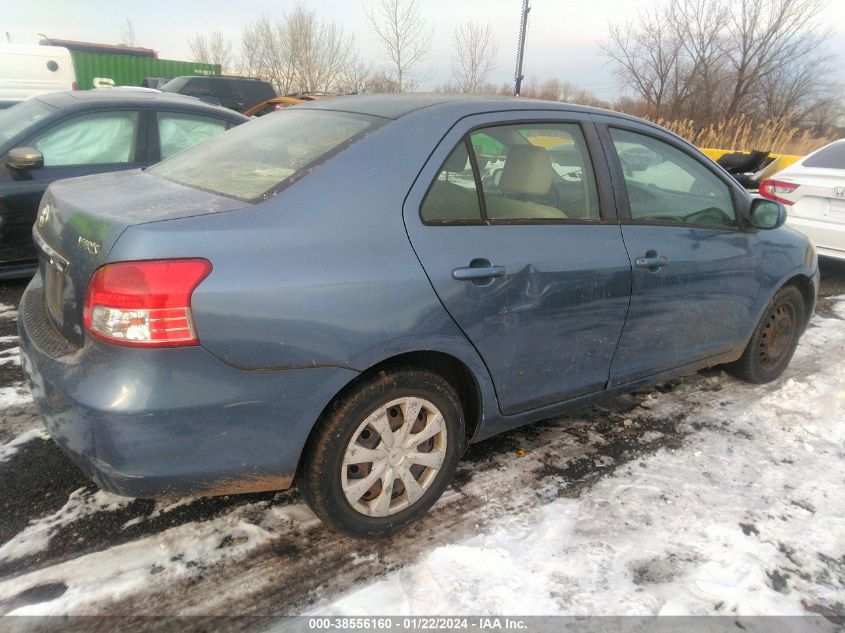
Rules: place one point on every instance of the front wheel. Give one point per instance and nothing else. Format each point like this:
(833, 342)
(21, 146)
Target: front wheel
(384, 453)
(774, 340)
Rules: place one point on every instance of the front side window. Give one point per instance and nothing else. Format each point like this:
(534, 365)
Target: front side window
(667, 185)
(255, 158)
(178, 131)
(538, 171)
(99, 138)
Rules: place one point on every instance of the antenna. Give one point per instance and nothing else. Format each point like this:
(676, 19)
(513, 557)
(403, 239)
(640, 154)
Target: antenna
(520, 53)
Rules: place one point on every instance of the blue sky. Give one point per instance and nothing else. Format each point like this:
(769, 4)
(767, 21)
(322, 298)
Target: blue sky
(563, 35)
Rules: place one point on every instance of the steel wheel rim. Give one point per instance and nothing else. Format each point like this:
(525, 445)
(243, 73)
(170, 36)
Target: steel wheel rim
(394, 456)
(777, 335)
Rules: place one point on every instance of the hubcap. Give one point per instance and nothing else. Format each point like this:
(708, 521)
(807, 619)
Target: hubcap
(777, 336)
(394, 456)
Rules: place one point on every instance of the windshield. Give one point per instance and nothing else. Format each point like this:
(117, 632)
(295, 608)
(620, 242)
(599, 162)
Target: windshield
(20, 116)
(253, 159)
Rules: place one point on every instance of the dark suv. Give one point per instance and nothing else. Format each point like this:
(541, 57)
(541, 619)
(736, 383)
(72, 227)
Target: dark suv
(235, 93)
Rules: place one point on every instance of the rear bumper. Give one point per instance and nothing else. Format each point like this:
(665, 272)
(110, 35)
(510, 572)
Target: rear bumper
(164, 422)
(828, 237)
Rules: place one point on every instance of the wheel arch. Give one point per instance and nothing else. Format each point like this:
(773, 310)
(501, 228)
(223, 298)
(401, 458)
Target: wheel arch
(808, 292)
(452, 369)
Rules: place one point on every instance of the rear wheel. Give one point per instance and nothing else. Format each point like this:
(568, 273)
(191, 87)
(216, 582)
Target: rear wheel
(384, 453)
(774, 340)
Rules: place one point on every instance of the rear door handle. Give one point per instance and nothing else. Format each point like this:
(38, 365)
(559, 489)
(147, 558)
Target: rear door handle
(652, 261)
(471, 273)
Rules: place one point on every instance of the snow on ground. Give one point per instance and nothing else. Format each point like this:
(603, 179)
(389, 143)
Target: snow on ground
(15, 395)
(10, 448)
(744, 513)
(748, 517)
(81, 503)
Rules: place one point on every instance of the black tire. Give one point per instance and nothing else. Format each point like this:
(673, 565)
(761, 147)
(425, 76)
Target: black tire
(321, 470)
(774, 340)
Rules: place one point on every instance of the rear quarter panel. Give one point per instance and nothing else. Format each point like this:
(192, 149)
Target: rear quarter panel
(322, 274)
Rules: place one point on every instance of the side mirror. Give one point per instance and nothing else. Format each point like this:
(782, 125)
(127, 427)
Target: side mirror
(767, 214)
(25, 159)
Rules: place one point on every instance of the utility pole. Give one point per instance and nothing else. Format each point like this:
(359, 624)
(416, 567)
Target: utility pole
(520, 53)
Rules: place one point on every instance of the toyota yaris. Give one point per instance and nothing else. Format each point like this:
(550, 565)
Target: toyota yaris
(346, 293)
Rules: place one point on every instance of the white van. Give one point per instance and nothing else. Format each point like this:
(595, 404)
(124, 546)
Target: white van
(27, 70)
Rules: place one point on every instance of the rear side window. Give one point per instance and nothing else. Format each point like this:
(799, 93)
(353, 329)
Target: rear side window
(178, 131)
(667, 185)
(452, 198)
(254, 159)
(100, 138)
(830, 157)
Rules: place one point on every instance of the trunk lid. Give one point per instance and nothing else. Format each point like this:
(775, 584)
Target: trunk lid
(820, 196)
(81, 219)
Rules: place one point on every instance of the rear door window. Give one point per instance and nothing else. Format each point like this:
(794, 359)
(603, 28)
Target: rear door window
(178, 131)
(536, 172)
(99, 138)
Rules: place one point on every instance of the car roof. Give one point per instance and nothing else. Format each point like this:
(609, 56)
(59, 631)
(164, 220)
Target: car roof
(81, 99)
(394, 106)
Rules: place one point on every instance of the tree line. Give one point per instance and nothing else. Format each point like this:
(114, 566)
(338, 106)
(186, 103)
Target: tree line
(703, 61)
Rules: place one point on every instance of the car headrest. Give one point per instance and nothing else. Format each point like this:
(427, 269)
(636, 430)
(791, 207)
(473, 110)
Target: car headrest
(457, 161)
(528, 169)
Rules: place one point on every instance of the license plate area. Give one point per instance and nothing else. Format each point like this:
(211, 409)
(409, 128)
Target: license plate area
(54, 269)
(53, 288)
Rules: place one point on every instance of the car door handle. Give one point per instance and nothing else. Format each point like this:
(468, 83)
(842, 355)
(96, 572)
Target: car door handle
(652, 261)
(471, 273)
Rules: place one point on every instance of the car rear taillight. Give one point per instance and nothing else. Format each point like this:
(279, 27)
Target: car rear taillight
(73, 86)
(144, 303)
(770, 188)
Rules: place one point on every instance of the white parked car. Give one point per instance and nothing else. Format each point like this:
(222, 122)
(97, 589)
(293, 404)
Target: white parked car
(813, 190)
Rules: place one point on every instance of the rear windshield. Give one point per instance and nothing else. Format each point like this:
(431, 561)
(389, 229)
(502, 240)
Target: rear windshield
(250, 161)
(831, 157)
(21, 116)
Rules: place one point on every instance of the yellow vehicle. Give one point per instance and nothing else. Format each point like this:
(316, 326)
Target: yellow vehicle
(280, 103)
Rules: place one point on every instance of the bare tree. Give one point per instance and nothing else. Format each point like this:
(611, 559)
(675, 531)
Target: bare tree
(212, 49)
(709, 60)
(127, 33)
(404, 35)
(356, 77)
(765, 34)
(473, 56)
(646, 55)
(320, 51)
(265, 54)
(299, 52)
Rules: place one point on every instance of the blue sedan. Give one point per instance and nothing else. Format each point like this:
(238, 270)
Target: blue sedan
(346, 293)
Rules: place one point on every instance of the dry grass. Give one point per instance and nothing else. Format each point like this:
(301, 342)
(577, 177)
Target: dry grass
(740, 133)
